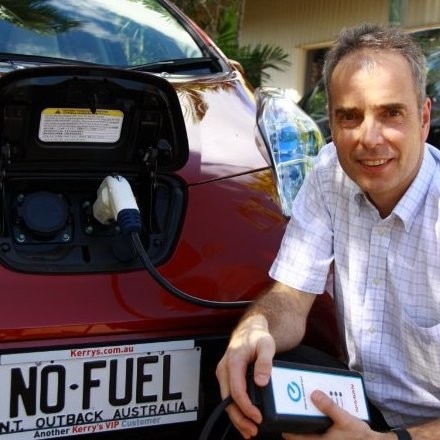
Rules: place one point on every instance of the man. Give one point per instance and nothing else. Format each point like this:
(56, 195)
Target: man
(368, 214)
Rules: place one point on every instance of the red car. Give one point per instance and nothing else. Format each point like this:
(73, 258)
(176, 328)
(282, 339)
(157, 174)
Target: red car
(145, 191)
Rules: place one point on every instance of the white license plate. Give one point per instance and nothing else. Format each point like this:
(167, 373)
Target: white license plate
(95, 389)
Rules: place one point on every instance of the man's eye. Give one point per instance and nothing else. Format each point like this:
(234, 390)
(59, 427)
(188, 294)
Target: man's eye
(345, 117)
(394, 113)
(348, 118)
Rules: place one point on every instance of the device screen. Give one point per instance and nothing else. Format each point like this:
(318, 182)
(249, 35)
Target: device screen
(292, 389)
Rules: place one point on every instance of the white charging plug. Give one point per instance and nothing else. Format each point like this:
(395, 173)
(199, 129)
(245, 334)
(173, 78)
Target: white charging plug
(116, 202)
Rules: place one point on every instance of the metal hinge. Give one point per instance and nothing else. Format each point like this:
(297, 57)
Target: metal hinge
(156, 154)
(5, 158)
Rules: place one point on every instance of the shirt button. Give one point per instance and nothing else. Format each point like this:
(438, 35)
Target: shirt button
(372, 330)
(376, 281)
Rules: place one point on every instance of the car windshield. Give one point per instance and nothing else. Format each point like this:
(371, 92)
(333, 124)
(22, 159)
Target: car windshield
(122, 33)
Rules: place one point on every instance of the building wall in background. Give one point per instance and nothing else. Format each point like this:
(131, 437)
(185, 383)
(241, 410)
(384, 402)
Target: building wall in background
(301, 27)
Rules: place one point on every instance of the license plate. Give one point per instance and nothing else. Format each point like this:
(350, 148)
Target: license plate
(90, 390)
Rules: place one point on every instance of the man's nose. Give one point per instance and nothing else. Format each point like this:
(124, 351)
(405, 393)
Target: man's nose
(371, 132)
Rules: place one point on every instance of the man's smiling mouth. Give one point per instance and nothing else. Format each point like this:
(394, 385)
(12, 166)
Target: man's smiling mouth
(374, 163)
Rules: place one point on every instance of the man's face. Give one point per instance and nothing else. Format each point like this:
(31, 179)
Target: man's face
(377, 127)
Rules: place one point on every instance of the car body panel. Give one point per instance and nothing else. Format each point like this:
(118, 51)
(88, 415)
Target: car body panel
(205, 103)
(211, 268)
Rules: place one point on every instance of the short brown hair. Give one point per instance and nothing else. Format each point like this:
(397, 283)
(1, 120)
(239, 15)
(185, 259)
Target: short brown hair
(377, 37)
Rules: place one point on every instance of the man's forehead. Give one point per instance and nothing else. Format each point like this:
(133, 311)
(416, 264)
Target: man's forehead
(369, 59)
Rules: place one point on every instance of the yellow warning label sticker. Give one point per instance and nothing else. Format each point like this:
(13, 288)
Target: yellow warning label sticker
(80, 125)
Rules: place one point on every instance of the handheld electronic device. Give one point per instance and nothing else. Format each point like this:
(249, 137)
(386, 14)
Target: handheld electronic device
(285, 402)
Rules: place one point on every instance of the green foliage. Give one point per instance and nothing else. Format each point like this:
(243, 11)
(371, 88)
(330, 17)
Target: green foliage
(206, 13)
(35, 14)
(257, 60)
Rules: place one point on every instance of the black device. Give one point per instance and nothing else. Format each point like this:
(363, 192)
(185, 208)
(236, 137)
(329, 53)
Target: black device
(285, 402)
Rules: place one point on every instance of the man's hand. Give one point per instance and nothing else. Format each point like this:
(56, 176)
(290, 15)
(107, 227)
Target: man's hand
(276, 322)
(250, 342)
(345, 426)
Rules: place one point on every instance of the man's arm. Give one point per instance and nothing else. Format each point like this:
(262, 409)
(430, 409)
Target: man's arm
(427, 431)
(285, 310)
(275, 322)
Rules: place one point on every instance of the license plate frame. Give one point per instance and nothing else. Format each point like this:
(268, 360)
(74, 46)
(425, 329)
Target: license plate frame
(94, 389)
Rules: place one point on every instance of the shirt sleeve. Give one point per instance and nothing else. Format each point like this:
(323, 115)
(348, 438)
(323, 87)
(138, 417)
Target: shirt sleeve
(306, 252)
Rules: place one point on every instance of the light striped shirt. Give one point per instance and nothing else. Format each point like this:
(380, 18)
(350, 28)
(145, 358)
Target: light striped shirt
(386, 280)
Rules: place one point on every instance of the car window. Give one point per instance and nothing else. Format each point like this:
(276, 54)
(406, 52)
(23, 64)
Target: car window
(122, 33)
(433, 82)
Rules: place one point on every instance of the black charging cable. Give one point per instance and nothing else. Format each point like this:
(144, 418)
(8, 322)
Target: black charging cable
(130, 222)
(143, 256)
(116, 201)
(145, 259)
(212, 419)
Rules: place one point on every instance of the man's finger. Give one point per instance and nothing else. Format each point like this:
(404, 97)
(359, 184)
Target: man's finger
(245, 426)
(326, 405)
(263, 363)
(236, 386)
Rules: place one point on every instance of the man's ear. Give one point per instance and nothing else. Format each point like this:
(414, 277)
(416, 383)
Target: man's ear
(426, 117)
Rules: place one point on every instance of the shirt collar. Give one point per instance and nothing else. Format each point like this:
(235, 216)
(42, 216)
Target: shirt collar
(415, 197)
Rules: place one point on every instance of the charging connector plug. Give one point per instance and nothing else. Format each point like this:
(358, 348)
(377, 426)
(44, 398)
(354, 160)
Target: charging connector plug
(116, 202)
